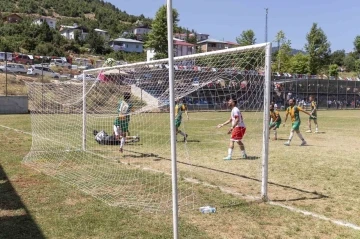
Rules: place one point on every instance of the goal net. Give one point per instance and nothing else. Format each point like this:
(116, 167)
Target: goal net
(108, 131)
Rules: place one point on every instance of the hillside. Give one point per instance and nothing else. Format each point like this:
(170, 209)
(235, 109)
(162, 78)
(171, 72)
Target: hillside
(90, 13)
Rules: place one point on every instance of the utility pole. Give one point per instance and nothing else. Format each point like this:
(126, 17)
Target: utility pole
(266, 24)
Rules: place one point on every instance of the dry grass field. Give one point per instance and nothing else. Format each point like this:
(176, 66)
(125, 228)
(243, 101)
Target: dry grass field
(321, 178)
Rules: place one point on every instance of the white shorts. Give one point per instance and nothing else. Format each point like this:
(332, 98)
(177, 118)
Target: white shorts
(117, 131)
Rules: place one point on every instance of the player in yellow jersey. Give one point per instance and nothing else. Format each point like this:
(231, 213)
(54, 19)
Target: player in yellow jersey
(294, 112)
(275, 120)
(313, 105)
(179, 109)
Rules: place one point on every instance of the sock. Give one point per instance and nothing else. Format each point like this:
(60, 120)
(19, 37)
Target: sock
(300, 136)
(275, 134)
(230, 152)
(243, 152)
(122, 142)
(182, 133)
(291, 136)
(317, 129)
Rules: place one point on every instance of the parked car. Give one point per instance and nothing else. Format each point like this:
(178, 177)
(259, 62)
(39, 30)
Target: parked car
(23, 59)
(14, 68)
(87, 77)
(39, 70)
(59, 62)
(8, 54)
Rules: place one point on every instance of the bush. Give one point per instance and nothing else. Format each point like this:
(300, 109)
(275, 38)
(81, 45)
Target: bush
(333, 70)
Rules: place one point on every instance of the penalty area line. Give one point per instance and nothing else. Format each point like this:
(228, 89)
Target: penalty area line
(315, 215)
(246, 197)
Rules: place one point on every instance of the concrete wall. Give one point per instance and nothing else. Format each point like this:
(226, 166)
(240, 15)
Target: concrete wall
(14, 105)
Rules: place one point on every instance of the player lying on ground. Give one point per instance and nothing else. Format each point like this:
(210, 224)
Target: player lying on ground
(294, 112)
(313, 105)
(275, 120)
(103, 138)
(237, 129)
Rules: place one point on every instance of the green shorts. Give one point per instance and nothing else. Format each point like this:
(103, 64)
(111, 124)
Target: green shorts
(276, 124)
(177, 123)
(124, 126)
(296, 125)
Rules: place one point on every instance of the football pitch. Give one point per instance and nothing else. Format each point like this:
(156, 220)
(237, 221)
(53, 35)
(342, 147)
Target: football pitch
(321, 178)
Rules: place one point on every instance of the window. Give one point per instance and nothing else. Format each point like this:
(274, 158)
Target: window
(137, 46)
(212, 44)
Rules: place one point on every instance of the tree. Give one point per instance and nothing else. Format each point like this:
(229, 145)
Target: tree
(192, 39)
(299, 64)
(157, 38)
(280, 37)
(349, 61)
(284, 52)
(283, 58)
(45, 33)
(5, 45)
(246, 38)
(357, 44)
(338, 57)
(95, 41)
(333, 70)
(318, 48)
(357, 66)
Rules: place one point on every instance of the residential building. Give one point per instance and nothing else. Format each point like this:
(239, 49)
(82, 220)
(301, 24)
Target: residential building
(211, 45)
(182, 36)
(140, 32)
(230, 44)
(103, 33)
(69, 31)
(199, 36)
(181, 48)
(127, 45)
(49, 20)
(12, 18)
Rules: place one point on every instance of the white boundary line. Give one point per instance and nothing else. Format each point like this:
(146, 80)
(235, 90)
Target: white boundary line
(248, 197)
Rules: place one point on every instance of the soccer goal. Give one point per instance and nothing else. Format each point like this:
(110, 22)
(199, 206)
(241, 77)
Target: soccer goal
(108, 132)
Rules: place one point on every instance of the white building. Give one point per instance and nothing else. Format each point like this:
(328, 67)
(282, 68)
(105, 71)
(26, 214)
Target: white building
(50, 21)
(140, 32)
(69, 31)
(127, 45)
(103, 33)
(181, 48)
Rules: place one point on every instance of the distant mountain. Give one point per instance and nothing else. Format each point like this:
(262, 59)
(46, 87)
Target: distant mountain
(293, 51)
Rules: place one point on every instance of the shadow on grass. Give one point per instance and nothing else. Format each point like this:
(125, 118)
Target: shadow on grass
(314, 194)
(15, 219)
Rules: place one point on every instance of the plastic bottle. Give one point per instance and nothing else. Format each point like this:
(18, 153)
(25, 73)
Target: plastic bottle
(207, 209)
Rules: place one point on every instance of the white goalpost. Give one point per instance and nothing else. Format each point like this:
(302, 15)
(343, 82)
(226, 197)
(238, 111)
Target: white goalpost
(109, 134)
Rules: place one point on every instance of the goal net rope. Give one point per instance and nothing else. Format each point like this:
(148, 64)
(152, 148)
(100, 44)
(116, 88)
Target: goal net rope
(108, 131)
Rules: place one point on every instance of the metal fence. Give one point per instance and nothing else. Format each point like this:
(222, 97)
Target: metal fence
(328, 93)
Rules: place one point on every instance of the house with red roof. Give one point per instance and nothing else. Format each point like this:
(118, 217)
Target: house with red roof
(181, 48)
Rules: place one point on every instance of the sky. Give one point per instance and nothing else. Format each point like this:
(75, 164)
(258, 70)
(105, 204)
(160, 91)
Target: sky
(226, 19)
